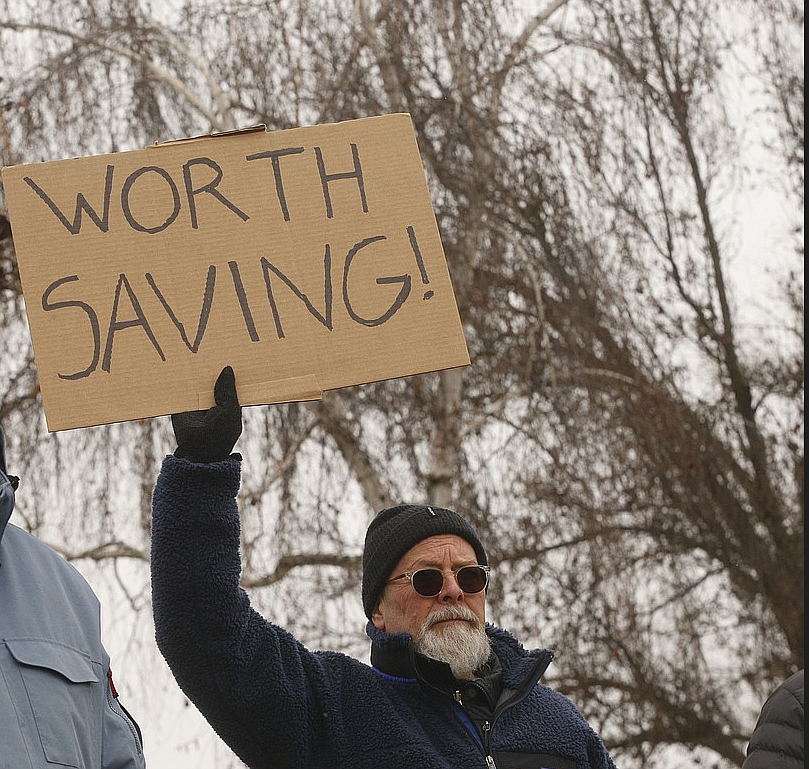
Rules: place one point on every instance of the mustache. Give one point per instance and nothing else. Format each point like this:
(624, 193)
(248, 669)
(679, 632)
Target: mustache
(452, 612)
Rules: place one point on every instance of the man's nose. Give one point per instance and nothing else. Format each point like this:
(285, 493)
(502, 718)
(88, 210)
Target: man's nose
(451, 591)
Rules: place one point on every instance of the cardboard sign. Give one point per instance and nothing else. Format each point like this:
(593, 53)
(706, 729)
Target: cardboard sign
(307, 259)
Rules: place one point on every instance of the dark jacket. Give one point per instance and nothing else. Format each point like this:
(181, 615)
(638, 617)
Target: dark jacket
(777, 740)
(279, 705)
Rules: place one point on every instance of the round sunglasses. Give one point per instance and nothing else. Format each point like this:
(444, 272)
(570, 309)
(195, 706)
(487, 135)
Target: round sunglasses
(430, 582)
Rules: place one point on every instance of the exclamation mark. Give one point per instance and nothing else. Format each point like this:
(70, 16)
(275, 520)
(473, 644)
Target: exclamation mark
(420, 262)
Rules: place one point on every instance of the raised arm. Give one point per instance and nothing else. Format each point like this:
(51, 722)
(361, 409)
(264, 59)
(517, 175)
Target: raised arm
(252, 680)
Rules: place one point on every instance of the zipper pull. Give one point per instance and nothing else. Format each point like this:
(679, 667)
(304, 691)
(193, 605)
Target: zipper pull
(486, 728)
(457, 697)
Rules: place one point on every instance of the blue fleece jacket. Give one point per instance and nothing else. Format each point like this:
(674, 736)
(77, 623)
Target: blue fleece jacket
(280, 706)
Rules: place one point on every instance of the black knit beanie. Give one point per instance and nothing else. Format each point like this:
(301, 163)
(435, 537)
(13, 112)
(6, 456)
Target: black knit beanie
(394, 531)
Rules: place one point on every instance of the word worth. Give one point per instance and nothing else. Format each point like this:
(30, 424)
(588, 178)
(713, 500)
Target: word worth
(193, 187)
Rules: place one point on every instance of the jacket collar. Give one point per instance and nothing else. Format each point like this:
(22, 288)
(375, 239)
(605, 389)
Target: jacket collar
(3, 521)
(394, 655)
(6, 502)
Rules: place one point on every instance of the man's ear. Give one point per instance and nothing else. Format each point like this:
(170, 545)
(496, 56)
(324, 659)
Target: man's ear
(377, 616)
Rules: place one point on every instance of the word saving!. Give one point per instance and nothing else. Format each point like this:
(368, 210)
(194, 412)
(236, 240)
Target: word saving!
(124, 285)
(271, 274)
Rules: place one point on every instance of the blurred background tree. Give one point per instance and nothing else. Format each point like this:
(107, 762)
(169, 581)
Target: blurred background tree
(619, 188)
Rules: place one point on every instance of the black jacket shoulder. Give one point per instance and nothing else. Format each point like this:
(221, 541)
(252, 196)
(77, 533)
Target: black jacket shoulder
(777, 740)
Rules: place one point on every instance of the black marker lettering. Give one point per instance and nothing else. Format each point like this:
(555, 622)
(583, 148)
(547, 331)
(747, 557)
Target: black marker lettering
(326, 318)
(48, 306)
(116, 325)
(326, 179)
(210, 188)
(276, 169)
(411, 233)
(242, 296)
(404, 292)
(102, 222)
(204, 313)
(130, 180)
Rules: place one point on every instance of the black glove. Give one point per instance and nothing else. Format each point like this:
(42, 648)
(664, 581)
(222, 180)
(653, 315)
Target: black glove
(210, 435)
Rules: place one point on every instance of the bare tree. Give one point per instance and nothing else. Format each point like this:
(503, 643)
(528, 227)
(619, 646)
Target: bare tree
(630, 434)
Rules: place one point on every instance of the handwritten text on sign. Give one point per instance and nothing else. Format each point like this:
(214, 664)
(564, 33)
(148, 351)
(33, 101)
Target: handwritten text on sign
(292, 256)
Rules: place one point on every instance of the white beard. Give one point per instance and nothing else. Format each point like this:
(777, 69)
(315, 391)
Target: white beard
(464, 646)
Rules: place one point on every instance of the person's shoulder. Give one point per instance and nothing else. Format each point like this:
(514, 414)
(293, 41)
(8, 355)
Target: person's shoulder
(781, 713)
(340, 661)
(778, 734)
(505, 642)
(786, 699)
(519, 664)
(29, 553)
(24, 539)
(17, 538)
(344, 672)
(794, 684)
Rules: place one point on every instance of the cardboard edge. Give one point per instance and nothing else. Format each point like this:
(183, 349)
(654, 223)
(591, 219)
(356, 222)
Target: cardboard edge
(259, 127)
(301, 388)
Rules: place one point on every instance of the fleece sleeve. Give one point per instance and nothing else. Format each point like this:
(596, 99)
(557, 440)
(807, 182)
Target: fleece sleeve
(257, 686)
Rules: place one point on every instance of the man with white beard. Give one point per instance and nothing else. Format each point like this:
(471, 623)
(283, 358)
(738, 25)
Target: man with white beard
(445, 690)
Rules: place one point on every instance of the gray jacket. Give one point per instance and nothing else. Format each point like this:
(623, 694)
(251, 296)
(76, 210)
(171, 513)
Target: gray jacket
(58, 707)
